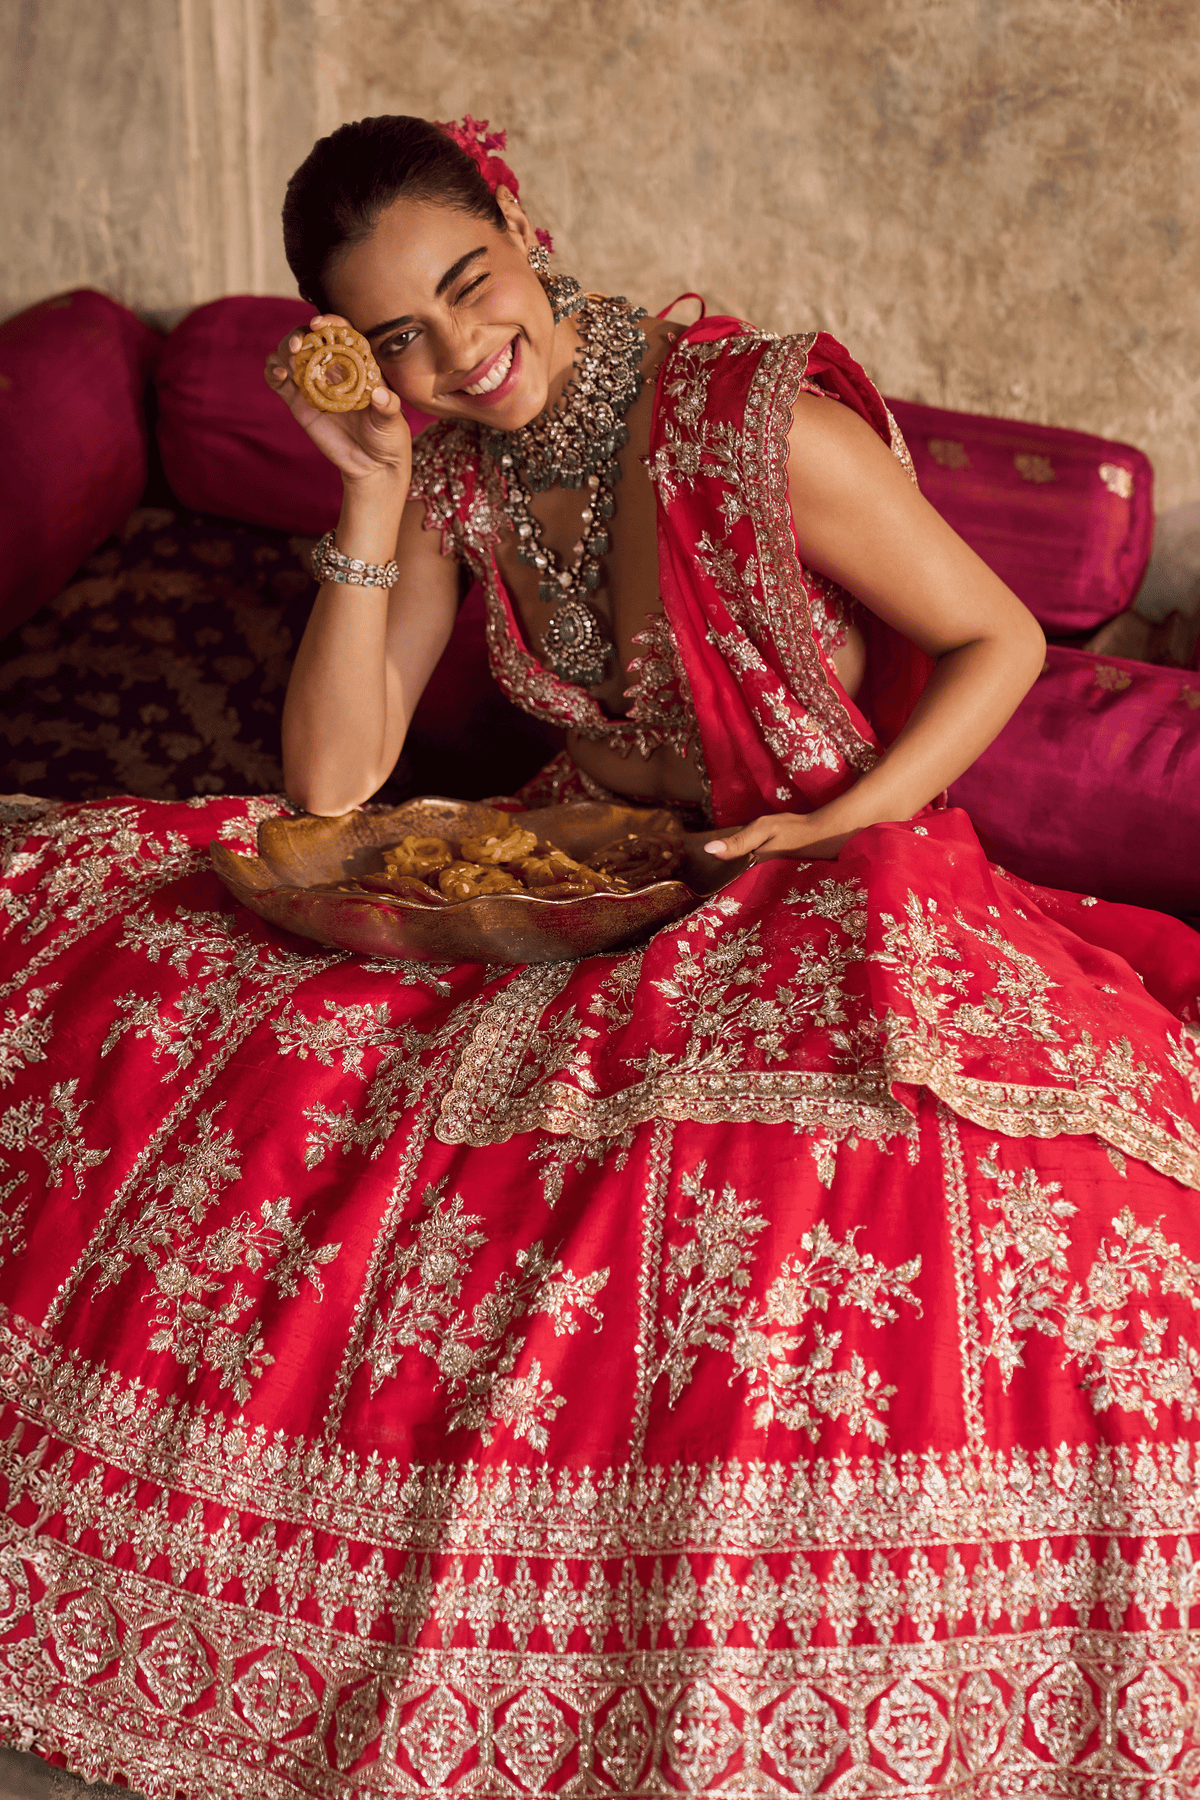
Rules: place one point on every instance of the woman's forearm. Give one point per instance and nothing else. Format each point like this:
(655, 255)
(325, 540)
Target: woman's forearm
(336, 732)
(970, 696)
(862, 523)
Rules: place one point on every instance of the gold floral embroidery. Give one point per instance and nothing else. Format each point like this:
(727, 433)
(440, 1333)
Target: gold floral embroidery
(815, 1504)
(921, 950)
(422, 1312)
(25, 1033)
(766, 1339)
(1028, 1248)
(231, 965)
(476, 1357)
(750, 465)
(658, 694)
(769, 404)
(966, 1292)
(559, 1154)
(403, 1073)
(53, 1130)
(78, 852)
(185, 1592)
(525, 1067)
(195, 1306)
(832, 610)
(694, 445)
(711, 1268)
(291, 971)
(1184, 1057)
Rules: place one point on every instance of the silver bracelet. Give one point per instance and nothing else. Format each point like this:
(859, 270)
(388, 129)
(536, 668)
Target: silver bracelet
(328, 564)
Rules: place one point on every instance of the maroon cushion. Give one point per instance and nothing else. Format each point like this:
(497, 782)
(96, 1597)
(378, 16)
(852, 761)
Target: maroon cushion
(1094, 783)
(1064, 518)
(73, 373)
(229, 445)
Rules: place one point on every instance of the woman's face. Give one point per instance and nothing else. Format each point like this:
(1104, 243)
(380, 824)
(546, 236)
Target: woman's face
(459, 323)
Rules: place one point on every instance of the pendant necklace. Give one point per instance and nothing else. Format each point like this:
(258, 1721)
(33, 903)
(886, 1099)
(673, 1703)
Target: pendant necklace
(575, 443)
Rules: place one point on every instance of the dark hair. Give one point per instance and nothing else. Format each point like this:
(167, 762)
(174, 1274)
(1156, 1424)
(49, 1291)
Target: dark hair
(335, 197)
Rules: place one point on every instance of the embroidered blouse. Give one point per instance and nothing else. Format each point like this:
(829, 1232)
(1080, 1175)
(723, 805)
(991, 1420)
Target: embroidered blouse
(709, 448)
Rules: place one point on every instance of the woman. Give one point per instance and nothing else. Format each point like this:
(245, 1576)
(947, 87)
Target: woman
(764, 1362)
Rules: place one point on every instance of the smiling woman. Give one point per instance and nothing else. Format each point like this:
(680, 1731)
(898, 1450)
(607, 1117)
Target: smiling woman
(763, 1361)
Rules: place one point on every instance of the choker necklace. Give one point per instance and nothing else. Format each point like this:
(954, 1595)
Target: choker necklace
(575, 443)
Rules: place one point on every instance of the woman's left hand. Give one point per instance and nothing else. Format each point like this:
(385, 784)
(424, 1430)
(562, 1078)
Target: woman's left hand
(781, 834)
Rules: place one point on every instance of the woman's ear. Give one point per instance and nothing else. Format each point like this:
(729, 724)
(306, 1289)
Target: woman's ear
(515, 217)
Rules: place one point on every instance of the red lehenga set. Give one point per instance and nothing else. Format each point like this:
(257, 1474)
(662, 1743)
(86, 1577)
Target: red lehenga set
(765, 1362)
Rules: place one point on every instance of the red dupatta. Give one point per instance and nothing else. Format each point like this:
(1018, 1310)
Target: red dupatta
(777, 729)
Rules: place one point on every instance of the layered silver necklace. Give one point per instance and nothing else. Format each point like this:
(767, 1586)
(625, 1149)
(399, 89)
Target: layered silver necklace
(575, 443)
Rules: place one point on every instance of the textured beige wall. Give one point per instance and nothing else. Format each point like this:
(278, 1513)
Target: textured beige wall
(993, 202)
(147, 146)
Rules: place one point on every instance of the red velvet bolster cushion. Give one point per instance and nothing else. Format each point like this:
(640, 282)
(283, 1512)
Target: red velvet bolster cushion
(1094, 783)
(229, 445)
(73, 374)
(1064, 518)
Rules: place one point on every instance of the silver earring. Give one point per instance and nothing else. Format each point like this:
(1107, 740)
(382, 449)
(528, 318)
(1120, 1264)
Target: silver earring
(539, 259)
(565, 296)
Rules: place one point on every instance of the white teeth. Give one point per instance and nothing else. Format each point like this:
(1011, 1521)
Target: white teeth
(495, 375)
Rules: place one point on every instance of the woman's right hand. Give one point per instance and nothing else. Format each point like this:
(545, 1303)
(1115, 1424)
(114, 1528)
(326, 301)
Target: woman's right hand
(362, 445)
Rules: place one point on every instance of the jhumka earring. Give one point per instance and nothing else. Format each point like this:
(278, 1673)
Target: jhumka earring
(563, 291)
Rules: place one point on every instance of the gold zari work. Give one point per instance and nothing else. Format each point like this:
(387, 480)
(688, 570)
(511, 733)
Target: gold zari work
(760, 1363)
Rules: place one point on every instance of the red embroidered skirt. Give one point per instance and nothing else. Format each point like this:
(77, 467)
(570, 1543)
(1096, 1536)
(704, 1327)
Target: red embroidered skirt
(765, 1362)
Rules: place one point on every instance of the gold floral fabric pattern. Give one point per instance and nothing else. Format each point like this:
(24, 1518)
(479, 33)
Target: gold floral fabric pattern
(764, 1362)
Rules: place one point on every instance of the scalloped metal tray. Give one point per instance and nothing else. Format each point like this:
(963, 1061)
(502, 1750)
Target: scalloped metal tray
(294, 883)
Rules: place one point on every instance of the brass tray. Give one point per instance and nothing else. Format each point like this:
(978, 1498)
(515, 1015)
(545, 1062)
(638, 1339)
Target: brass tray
(293, 880)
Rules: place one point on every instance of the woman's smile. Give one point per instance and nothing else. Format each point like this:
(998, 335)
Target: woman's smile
(446, 289)
(494, 378)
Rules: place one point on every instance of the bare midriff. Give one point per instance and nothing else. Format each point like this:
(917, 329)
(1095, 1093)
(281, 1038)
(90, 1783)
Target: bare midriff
(627, 599)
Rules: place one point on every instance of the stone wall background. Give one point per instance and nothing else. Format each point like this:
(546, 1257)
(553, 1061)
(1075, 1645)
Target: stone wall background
(993, 202)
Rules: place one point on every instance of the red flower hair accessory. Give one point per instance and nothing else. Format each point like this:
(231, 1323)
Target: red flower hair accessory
(473, 136)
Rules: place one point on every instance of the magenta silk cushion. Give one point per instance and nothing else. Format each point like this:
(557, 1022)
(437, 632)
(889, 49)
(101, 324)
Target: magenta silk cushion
(73, 374)
(1094, 783)
(229, 445)
(1064, 518)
